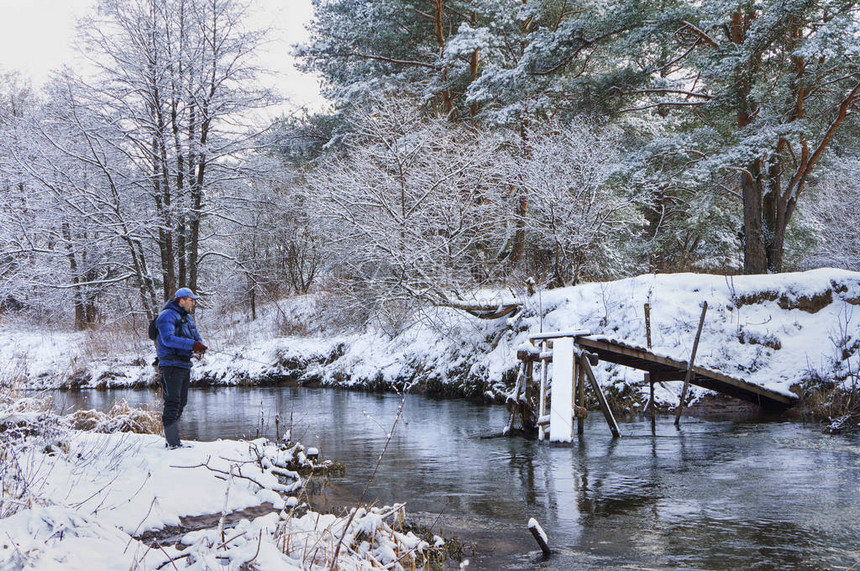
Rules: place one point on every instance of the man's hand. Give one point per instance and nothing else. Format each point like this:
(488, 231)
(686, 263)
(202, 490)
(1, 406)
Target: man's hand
(199, 348)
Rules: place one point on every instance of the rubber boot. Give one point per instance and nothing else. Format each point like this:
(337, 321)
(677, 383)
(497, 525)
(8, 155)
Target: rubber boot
(171, 434)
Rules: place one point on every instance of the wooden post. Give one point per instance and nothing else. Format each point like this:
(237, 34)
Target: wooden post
(648, 344)
(689, 374)
(651, 396)
(517, 402)
(575, 371)
(610, 420)
(529, 420)
(580, 381)
(648, 324)
(540, 537)
(542, 400)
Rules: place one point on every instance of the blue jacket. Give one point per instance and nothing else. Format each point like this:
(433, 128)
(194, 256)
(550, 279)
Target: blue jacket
(176, 336)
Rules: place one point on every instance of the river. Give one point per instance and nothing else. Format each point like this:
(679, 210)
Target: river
(708, 495)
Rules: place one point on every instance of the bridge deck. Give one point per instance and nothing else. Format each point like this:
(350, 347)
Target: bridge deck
(666, 369)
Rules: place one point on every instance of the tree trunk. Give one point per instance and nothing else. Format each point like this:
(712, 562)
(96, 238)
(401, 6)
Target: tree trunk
(447, 102)
(774, 217)
(755, 254)
(519, 246)
(473, 67)
(165, 230)
(252, 296)
(80, 308)
(197, 182)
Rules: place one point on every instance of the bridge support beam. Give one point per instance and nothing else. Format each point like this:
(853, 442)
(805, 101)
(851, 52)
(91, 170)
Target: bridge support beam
(689, 374)
(598, 392)
(561, 410)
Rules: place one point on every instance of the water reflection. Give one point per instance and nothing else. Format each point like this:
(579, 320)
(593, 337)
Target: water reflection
(710, 495)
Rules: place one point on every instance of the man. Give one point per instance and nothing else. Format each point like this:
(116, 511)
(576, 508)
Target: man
(178, 341)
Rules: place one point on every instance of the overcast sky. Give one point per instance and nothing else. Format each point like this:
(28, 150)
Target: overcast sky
(36, 36)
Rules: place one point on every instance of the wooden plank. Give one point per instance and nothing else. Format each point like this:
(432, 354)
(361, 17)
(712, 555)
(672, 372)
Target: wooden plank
(602, 346)
(667, 369)
(559, 334)
(580, 383)
(561, 403)
(706, 375)
(607, 413)
(542, 397)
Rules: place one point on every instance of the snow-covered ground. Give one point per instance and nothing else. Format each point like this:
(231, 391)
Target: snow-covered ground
(777, 331)
(84, 500)
(76, 499)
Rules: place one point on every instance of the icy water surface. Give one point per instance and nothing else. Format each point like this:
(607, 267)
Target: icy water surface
(710, 495)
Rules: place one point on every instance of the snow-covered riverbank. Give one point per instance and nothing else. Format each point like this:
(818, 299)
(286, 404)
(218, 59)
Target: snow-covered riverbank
(780, 331)
(89, 500)
(85, 499)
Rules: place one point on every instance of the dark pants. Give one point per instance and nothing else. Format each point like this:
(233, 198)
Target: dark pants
(174, 384)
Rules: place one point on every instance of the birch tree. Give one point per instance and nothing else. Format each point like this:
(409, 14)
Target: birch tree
(178, 74)
(131, 173)
(80, 162)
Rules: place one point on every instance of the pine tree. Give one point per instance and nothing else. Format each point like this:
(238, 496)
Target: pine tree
(763, 89)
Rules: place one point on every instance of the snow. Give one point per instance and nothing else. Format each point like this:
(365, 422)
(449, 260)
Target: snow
(57, 537)
(776, 331)
(763, 329)
(95, 491)
(533, 524)
(89, 497)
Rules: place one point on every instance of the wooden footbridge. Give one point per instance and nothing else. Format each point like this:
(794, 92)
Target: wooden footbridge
(575, 352)
(666, 369)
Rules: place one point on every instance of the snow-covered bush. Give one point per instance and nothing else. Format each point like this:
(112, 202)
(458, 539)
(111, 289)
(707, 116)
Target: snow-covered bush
(582, 223)
(374, 539)
(413, 207)
(24, 422)
(120, 418)
(833, 215)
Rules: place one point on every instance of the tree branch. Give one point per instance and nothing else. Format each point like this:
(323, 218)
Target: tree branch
(666, 104)
(395, 61)
(679, 91)
(807, 163)
(701, 33)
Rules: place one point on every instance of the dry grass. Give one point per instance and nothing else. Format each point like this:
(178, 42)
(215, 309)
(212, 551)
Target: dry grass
(118, 337)
(120, 418)
(13, 375)
(377, 543)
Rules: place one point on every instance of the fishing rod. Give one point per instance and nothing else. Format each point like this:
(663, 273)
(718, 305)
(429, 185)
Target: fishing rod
(238, 356)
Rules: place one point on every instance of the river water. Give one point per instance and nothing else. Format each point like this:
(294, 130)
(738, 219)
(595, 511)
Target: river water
(707, 495)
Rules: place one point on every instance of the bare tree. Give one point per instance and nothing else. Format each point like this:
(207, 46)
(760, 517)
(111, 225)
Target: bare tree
(413, 207)
(833, 215)
(178, 74)
(138, 167)
(575, 215)
(79, 160)
(266, 237)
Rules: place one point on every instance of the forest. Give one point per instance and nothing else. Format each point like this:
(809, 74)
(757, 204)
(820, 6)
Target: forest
(478, 175)
(465, 144)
